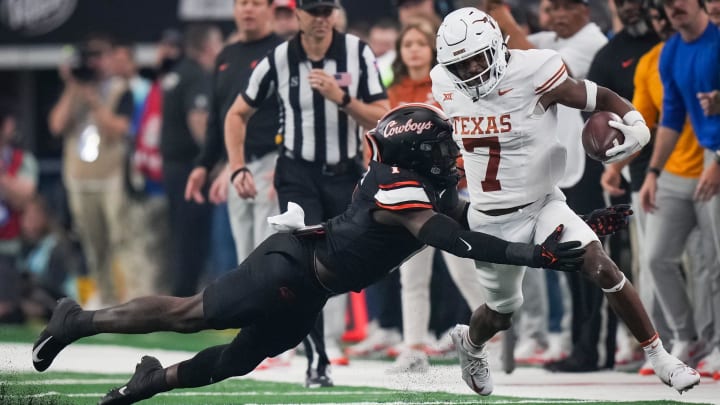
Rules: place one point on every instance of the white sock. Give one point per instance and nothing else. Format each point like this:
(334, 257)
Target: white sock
(471, 347)
(655, 350)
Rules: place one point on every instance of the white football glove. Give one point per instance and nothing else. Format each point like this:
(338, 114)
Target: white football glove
(288, 221)
(637, 135)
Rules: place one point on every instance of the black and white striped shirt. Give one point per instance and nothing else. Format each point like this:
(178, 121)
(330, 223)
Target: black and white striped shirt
(315, 129)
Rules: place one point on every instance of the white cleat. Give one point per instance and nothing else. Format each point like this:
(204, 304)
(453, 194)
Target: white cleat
(676, 374)
(475, 370)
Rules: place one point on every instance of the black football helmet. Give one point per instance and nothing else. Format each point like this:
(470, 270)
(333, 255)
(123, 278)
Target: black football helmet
(417, 137)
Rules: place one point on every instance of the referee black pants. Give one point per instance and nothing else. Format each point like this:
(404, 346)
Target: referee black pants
(322, 194)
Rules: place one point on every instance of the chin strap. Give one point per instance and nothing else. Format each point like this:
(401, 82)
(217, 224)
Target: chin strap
(619, 286)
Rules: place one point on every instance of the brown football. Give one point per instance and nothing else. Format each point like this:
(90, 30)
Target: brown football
(598, 136)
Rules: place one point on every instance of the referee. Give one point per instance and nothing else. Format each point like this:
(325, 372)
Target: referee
(329, 86)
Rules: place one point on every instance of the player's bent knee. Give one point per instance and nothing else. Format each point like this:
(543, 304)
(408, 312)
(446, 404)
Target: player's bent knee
(493, 319)
(508, 305)
(501, 321)
(600, 269)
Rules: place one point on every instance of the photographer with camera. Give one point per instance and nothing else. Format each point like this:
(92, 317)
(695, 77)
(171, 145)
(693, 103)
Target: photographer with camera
(93, 116)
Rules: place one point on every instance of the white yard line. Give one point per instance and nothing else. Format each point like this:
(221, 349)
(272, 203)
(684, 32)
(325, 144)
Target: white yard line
(524, 382)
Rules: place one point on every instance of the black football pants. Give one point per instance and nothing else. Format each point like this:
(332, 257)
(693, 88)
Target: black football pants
(273, 297)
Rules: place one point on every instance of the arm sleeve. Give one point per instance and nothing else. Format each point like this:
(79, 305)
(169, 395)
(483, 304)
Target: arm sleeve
(370, 87)
(444, 233)
(260, 82)
(213, 148)
(673, 109)
(125, 105)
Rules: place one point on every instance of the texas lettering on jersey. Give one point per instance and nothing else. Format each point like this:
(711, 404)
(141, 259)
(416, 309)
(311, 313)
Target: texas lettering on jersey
(482, 125)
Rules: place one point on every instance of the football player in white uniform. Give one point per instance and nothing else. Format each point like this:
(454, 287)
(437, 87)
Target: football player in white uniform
(503, 106)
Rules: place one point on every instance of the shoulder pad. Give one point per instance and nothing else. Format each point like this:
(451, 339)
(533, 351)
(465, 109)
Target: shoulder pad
(550, 73)
(399, 189)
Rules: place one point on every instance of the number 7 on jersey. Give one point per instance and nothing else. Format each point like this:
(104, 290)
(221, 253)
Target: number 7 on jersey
(491, 183)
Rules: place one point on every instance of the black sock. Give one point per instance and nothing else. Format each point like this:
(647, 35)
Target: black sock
(198, 371)
(158, 382)
(83, 324)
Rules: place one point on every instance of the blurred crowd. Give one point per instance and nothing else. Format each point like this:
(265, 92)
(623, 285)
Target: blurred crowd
(131, 142)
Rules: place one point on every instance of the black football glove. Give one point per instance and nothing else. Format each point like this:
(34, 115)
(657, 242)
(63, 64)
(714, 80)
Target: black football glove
(607, 221)
(556, 255)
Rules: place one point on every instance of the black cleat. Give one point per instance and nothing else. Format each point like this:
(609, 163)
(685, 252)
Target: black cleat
(56, 335)
(138, 388)
(319, 378)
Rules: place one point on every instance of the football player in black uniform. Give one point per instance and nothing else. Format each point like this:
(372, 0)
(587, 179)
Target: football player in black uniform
(406, 199)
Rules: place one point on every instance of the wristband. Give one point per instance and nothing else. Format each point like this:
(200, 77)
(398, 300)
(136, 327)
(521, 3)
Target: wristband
(717, 157)
(590, 95)
(237, 172)
(345, 100)
(654, 170)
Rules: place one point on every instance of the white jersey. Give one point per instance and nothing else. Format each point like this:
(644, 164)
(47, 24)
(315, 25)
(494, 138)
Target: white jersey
(509, 144)
(578, 52)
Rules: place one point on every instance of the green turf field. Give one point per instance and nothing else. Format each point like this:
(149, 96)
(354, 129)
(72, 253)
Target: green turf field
(74, 388)
(69, 388)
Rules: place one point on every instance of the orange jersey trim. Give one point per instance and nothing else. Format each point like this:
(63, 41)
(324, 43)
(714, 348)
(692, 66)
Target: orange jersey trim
(400, 184)
(549, 83)
(400, 207)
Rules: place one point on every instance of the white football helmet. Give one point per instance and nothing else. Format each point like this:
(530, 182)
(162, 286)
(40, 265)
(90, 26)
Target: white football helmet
(472, 50)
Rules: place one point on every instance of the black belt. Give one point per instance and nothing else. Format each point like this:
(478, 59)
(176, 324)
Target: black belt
(504, 211)
(326, 169)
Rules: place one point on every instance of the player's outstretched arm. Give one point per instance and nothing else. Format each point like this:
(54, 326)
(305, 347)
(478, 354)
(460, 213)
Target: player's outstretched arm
(451, 205)
(444, 233)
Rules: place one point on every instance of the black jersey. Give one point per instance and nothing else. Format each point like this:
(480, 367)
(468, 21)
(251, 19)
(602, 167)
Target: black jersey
(361, 251)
